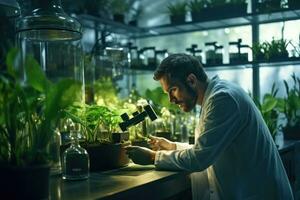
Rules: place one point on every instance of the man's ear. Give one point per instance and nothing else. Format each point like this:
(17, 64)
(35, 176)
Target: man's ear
(192, 80)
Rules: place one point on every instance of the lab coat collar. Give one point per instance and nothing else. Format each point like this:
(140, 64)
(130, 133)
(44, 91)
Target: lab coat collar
(211, 84)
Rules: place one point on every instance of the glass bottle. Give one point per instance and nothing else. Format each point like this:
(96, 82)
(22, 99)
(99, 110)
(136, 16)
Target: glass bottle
(76, 162)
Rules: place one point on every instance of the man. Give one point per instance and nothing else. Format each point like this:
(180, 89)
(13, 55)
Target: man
(232, 141)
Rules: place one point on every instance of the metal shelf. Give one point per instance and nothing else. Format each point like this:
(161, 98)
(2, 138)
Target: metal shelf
(249, 19)
(110, 25)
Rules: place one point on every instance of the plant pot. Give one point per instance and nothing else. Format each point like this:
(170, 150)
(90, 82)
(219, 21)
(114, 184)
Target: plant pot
(279, 57)
(30, 182)
(235, 10)
(107, 156)
(291, 133)
(269, 6)
(152, 64)
(294, 4)
(213, 58)
(236, 58)
(120, 137)
(204, 15)
(177, 19)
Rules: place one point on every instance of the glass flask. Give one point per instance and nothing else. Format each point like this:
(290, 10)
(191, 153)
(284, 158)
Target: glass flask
(54, 153)
(76, 161)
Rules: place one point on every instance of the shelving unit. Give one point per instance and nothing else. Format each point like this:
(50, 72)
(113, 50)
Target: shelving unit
(249, 19)
(254, 20)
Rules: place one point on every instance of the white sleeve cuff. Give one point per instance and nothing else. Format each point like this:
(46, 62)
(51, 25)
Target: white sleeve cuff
(182, 146)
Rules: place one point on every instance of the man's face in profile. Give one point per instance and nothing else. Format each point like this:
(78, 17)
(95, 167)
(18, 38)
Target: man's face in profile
(179, 93)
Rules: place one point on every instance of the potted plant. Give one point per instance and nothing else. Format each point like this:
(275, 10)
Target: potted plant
(294, 4)
(268, 110)
(289, 106)
(276, 50)
(258, 51)
(29, 113)
(102, 138)
(177, 12)
(199, 10)
(269, 6)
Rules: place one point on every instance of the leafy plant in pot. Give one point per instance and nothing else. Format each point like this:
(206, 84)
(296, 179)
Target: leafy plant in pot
(29, 113)
(199, 10)
(289, 106)
(177, 12)
(276, 50)
(102, 138)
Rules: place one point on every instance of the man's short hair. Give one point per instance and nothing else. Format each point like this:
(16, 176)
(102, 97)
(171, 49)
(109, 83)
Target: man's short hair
(179, 66)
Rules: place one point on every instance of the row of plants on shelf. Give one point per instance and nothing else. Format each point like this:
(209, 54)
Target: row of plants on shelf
(268, 6)
(202, 10)
(116, 10)
(282, 113)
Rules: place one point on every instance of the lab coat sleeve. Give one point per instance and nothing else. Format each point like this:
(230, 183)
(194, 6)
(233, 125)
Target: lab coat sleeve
(221, 123)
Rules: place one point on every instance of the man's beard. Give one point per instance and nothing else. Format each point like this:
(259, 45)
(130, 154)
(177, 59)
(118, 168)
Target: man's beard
(190, 103)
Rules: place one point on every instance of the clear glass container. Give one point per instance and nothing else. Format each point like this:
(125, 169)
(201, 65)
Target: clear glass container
(76, 161)
(54, 153)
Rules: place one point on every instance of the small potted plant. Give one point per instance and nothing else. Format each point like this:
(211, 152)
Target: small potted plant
(276, 50)
(29, 114)
(102, 138)
(289, 106)
(199, 10)
(258, 51)
(294, 4)
(269, 6)
(177, 12)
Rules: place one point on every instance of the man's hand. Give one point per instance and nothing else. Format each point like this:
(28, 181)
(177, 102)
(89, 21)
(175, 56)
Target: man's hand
(140, 155)
(160, 143)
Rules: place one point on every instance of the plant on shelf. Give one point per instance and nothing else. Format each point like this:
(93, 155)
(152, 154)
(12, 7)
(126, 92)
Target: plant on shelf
(236, 7)
(198, 9)
(276, 50)
(258, 51)
(177, 12)
(30, 111)
(289, 106)
(268, 110)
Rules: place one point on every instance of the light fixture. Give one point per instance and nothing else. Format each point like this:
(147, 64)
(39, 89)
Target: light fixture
(45, 20)
(9, 8)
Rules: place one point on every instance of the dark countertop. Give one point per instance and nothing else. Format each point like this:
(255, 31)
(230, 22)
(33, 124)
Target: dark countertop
(134, 181)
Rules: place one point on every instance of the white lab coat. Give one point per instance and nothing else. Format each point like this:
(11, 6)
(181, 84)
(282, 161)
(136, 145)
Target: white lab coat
(236, 148)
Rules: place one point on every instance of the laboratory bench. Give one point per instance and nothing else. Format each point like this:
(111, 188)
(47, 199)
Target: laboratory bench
(141, 182)
(131, 182)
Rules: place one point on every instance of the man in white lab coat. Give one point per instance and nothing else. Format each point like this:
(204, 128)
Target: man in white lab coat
(232, 142)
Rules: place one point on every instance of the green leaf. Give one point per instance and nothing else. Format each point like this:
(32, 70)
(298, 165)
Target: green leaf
(61, 95)
(269, 104)
(35, 75)
(10, 61)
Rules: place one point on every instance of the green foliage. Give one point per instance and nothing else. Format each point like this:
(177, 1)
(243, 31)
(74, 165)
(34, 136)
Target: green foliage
(290, 105)
(119, 6)
(179, 8)
(30, 111)
(160, 100)
(270, 50)
(94, 119)
(197, 5)
(106, 93)
(268, 110)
